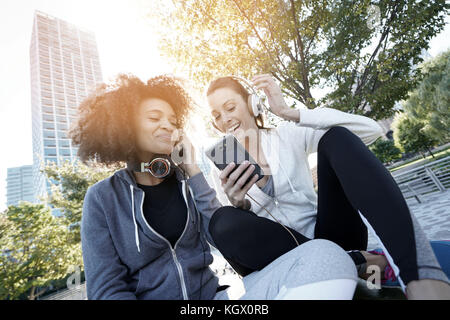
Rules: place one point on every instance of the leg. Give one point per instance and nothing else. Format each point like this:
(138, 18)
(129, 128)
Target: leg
(349, 169)
(317, 269)
(240, 233)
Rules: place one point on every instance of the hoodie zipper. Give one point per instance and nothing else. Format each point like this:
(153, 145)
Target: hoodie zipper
(174, 255)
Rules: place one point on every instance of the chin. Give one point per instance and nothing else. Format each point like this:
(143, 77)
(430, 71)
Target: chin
(166, 150)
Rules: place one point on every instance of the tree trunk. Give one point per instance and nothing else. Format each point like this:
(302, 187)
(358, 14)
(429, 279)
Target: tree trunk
(32, 296)
(430, 152)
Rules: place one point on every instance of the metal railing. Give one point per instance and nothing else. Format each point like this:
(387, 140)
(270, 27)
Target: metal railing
(78, 293)
(429, 178)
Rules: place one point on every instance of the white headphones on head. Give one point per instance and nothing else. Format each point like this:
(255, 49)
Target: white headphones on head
(255, 103)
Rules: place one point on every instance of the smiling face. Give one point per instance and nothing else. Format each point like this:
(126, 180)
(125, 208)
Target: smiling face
(230, 112)
(155, 128)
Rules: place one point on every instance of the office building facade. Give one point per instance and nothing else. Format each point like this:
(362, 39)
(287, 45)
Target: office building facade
(65, 68)
(19, 185)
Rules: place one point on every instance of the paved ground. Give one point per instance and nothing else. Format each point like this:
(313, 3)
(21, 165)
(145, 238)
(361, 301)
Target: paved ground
(433, 215)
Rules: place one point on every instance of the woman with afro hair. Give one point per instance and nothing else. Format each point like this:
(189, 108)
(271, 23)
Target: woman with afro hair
(144, 230)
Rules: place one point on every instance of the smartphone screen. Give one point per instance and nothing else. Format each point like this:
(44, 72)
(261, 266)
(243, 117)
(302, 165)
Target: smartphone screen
(228, 150)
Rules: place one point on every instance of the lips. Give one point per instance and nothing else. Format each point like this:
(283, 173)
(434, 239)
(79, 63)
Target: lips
(234, 127)
(166, 137)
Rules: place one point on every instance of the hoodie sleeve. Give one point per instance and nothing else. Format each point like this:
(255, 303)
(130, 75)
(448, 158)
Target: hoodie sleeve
(105, 274)
(205, 201)
(316, 123)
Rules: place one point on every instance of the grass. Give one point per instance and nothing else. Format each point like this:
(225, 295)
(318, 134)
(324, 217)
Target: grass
(437, 156)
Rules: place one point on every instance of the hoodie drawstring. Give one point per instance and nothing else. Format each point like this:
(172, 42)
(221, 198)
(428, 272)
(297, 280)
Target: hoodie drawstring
(136, 234)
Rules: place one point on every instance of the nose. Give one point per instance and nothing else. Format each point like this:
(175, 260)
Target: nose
(165, 123)
(226, 119)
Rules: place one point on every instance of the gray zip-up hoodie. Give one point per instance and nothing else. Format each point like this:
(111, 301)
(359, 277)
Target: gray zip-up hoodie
(124, 258)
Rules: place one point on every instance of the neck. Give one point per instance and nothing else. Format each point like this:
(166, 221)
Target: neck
(146, 179)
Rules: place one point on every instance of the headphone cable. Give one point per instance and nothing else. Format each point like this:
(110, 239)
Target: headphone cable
(275, 219)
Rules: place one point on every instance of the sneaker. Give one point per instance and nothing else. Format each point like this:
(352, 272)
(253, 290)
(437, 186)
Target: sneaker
(390, 280)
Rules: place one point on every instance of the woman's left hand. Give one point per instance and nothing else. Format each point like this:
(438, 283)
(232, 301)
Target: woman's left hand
(275, 97)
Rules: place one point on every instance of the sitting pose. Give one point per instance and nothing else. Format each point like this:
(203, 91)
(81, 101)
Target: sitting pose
(144, 230)
(282, 210)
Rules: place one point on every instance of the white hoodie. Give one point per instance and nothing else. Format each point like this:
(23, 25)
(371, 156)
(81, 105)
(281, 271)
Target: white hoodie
(286, 149)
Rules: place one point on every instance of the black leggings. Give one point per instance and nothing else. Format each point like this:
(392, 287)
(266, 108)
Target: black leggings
(350, 177)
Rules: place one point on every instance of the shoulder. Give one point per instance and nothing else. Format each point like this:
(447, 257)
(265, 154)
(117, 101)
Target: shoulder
(102, 187)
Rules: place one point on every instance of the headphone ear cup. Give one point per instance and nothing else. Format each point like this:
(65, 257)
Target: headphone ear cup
(254, 105)
(251, 105)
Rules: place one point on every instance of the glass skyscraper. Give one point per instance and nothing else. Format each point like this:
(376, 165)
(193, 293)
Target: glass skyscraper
(19, 185)
(65, 67)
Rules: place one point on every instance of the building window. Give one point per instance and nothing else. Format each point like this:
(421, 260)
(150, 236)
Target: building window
(49, 125)
(46, 117)
(49, 134)
(49, 143)
(49, 152)
(47, 110)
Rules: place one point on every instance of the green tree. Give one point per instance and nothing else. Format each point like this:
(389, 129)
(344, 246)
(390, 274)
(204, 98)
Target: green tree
(430, 101)
(363, 51)
(35, 249)
(69, 183)
(409, 135)
(385, 150)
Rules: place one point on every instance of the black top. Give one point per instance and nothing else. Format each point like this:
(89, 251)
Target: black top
(165, 209)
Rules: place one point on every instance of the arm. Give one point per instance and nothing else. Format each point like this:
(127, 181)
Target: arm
(105, 274)
(205, 201)
(316, 121)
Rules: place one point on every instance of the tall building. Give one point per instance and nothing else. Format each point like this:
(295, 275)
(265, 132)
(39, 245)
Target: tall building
(65, 67)
(19, 185)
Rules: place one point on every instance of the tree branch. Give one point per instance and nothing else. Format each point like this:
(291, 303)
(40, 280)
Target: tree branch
(372, 58)
(258, 36)
(304, 70)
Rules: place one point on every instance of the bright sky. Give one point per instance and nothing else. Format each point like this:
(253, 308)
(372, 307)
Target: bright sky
(125, 43)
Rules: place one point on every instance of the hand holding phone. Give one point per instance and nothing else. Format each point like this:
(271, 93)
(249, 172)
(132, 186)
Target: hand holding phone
(239, 171)
(236, 180)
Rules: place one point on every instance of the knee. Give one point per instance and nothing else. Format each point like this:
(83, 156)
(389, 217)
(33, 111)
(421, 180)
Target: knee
(324, 260)
(222, 223)
(337, 137)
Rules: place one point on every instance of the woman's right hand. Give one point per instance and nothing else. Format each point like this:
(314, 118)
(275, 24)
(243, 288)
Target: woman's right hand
(234, 185)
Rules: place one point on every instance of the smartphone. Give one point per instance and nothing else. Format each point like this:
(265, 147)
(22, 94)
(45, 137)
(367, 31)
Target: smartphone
(228, 150)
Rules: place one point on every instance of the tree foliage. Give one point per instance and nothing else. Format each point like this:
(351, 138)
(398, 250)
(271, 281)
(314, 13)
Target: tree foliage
(409, 135)
(429, 103)
(69, 183)
(35, 249)
(362, 51)
(385, 150)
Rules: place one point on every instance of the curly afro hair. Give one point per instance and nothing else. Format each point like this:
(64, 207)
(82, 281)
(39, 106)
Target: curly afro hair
(104, 129)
